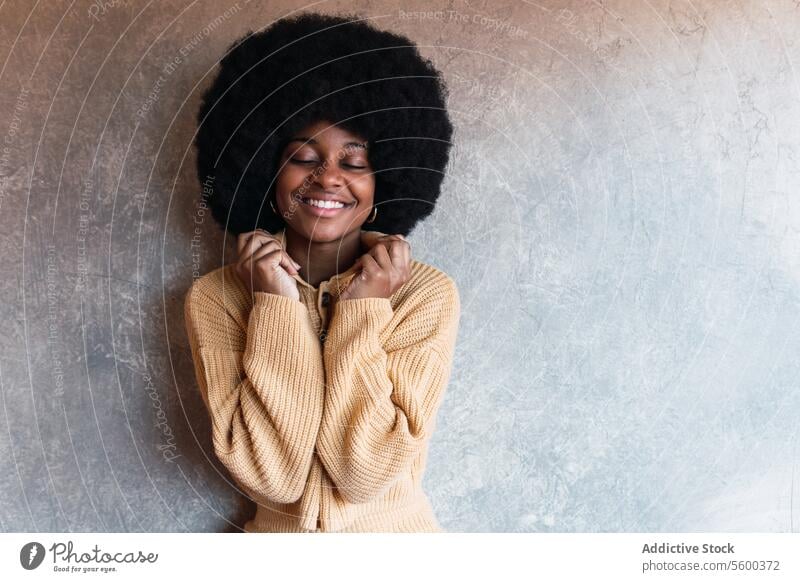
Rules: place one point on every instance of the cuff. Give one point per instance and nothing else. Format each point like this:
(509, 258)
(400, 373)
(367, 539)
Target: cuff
(369, 313)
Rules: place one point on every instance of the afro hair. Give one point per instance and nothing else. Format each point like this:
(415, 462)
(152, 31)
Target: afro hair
(313, 67)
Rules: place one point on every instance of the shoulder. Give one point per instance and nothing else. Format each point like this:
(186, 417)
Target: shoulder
(219, 294)
(427, 281)
(426, 308)
(216, 284)
(428, 289)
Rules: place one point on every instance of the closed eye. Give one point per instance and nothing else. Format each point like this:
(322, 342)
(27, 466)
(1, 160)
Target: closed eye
(306, 162)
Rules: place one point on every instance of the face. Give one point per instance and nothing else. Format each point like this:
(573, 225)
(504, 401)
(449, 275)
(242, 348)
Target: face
(325, 187)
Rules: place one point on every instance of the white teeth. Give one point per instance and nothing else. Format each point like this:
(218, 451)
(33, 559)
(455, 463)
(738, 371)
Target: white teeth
(323, 203)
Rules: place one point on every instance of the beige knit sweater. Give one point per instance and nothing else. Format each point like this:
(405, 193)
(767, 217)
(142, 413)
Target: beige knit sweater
(322, 410)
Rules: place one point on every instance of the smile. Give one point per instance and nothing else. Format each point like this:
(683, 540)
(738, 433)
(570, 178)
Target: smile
(325, 207)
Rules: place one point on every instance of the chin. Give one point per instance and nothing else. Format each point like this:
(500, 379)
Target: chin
(321, 232)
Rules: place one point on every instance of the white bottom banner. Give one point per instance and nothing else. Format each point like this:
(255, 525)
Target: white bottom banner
(401, 557)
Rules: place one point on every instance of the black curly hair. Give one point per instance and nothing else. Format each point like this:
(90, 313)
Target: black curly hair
(314, 67)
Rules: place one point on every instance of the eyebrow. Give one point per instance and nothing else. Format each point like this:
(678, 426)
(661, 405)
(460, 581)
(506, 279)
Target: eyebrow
(311, 140)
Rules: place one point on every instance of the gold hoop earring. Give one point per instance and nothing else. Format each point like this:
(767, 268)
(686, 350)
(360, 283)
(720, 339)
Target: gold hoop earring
(374, 214)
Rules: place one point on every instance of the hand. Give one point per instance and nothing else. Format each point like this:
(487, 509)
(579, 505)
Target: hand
(369, 238)
(263, 265)
(384, 268)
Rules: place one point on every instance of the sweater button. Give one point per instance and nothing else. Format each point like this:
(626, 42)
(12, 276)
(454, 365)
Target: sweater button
(326, 298)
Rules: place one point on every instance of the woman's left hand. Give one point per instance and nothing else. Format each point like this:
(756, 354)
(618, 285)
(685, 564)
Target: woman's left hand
(384, 268)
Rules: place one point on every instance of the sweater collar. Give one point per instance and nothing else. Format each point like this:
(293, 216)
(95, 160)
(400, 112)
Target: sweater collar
(337, 282)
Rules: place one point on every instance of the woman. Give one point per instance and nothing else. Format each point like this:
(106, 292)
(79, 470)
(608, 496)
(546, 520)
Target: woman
(324, 351)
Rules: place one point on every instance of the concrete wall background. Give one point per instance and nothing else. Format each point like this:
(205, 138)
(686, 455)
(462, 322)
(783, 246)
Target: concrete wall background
(621, 215)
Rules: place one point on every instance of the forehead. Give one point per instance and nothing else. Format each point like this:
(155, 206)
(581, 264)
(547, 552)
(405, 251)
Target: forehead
(326, 134)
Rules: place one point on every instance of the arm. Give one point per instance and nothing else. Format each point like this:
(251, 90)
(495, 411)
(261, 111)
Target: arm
(263, 389)
(382, 394)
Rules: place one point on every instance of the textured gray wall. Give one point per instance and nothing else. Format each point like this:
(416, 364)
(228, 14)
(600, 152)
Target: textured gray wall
(621, 216)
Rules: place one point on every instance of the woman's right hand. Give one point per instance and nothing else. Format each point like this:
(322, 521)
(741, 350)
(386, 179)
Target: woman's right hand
(264, 266)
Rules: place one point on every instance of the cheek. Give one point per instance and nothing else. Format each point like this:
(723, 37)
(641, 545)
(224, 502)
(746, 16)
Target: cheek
(288, 180)
(364, 189)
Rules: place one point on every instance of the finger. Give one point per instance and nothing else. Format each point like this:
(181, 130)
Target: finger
(249, 247)
(271, 237)
(406, 252)
(371, 237)
(242, 240)
(289, 263)
(256, 240)
(276, 265)
(390, 239)
(252, 243)
(370, 266)
(348, 291)
(283, 258)
(397, 252)
(381, 256)
(261, 252)
(244, 266)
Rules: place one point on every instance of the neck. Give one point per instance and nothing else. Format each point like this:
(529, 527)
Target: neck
(319, 261)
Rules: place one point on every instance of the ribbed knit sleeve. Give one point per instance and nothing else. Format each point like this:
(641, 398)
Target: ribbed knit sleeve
(263, 389)
(384, 384)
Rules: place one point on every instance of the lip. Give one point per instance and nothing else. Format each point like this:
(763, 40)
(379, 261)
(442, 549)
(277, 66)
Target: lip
(317, 211)
(324, 196)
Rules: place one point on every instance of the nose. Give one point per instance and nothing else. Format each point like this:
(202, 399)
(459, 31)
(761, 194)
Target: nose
(329, 175)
